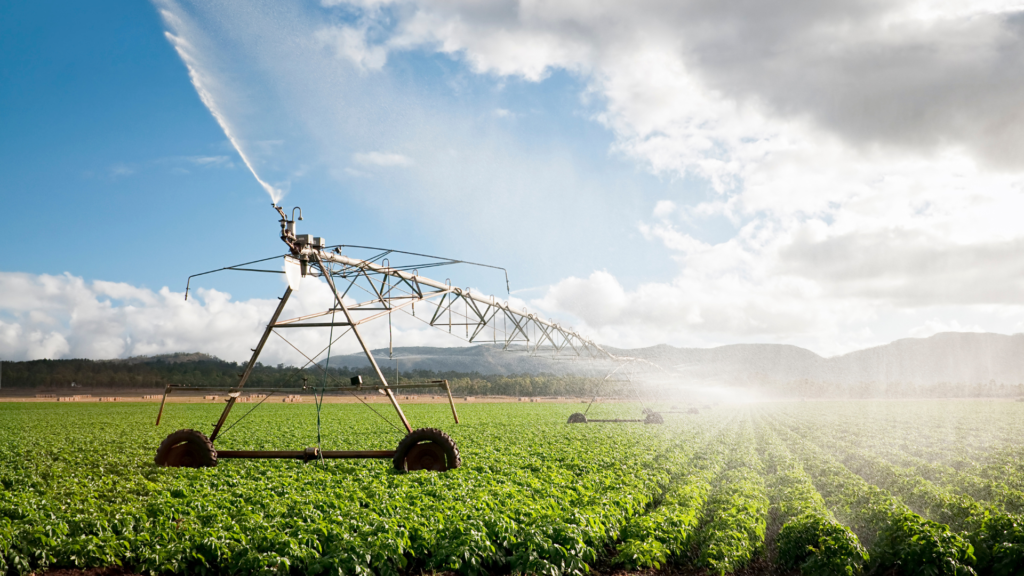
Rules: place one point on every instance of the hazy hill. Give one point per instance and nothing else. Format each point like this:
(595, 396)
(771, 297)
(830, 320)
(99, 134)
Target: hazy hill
(951, 357)
(946, 357)
(176, 358)
(948, 364)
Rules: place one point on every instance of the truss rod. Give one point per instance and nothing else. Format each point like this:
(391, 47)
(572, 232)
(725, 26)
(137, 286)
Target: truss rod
(366, 266)
(362, 343)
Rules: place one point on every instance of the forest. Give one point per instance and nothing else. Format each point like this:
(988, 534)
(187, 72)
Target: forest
(203, 371)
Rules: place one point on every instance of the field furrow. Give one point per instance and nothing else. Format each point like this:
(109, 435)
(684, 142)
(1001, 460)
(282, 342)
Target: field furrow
(733, 527)
(892, 450)
(892, 533)
(666, 532)
(824, 488)
(806, 535)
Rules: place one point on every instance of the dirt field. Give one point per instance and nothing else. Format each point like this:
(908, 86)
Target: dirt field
(203, 397)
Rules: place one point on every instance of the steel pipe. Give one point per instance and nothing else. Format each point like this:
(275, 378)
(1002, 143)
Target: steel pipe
(618, 420)
(307, 454)
(323, 255)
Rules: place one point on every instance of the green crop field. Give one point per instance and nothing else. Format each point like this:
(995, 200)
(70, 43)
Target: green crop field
(925, 487)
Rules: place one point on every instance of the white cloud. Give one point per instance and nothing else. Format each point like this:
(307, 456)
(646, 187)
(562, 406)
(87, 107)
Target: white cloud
(935, 326)
(351, 44)
(664, 208)
(381, 159)
(359, 3)
(210, 161)
(868, 154)
(915, 74)
(355, 173)
(65, 316)
(805, 283)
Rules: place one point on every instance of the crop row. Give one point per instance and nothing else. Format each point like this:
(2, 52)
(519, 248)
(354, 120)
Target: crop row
(947, 433)
(987, 483)
(532, 499)
(808, 488)
(994, 535)
(968, 482)
(809, 537)
(733, 527)
(665, 531)
(892, 533)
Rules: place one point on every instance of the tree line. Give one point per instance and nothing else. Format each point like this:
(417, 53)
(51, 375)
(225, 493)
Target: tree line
(201, 371)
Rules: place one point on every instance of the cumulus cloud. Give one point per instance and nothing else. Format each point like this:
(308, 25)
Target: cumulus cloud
(868, 154)
(910, 267)
(935, 326)
(802, 283)
(911, 74)
(865, 155)
(65, 316)
(350, 43)
(722, 291)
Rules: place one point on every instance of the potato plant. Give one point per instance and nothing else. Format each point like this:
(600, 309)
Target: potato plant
(821, 488)
(809, 536)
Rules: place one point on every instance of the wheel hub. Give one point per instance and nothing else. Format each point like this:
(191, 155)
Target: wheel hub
(426, 456)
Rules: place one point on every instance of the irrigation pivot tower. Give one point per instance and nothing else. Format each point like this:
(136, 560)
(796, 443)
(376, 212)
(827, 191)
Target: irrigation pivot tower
(361, 291)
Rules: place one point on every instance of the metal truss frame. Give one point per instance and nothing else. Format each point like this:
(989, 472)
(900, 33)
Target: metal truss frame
(366, 290)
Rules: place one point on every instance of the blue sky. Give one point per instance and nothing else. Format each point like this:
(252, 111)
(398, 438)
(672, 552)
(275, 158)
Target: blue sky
(101, 139)
(110, 154)
(637, 177)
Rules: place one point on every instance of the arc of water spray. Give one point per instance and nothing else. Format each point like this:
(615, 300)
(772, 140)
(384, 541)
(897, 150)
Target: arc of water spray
(182, 48)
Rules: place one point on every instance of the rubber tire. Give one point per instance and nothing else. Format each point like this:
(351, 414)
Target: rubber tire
(654, 418)
(186, 449)
(427, 449)
(577, 418)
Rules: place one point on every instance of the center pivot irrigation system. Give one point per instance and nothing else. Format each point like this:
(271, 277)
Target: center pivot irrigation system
(361, 291)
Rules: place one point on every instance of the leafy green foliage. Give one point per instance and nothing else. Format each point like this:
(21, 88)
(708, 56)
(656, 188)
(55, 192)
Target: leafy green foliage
(818, 545)
(809, 538)
(813, 488)
(896, 536)
(734, 527)
(650, 540)
(920, 546)
(528, 499)
(734, 522)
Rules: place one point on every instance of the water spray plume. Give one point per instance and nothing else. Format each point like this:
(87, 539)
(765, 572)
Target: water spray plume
(182, 48)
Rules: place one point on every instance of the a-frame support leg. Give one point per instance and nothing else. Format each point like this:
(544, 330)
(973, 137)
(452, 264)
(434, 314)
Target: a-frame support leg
(355, 330)
(252, 363)
(451, 401)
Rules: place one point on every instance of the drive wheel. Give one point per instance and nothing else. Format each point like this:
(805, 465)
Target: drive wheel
(577, 418)
(427, 449)
(186, 449)
(654, 418)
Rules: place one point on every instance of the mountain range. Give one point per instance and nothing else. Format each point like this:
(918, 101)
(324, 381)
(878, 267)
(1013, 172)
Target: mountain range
(950, 357)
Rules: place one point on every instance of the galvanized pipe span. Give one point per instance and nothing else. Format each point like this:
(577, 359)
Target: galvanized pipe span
(309, 253)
